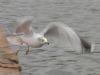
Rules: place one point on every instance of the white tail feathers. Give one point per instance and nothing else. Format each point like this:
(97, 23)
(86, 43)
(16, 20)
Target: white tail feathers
(14, 41)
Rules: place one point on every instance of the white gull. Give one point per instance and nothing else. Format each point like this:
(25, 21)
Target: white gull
(56, 30)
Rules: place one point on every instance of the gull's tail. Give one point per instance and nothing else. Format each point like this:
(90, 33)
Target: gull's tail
(14, 40)
(86, 46)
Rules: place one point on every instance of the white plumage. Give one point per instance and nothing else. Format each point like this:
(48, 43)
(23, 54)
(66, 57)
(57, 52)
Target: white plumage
(56, 30)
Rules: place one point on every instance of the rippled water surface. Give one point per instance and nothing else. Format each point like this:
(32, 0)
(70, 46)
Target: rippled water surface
(82, 15)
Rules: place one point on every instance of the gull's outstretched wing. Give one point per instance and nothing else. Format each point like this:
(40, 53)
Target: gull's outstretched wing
(65, 34)
(24, 26)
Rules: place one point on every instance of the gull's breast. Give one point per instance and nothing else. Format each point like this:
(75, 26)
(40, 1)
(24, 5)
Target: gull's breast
(32, 42)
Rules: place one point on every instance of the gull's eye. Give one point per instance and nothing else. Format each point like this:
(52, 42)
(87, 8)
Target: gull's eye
(40, 39)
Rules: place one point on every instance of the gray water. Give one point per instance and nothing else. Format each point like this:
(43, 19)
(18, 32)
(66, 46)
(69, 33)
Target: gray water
(82, 15)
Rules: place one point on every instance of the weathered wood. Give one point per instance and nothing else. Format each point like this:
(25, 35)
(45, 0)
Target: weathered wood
(8, 60)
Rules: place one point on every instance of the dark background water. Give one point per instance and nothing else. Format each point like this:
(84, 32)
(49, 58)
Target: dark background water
(82, 15)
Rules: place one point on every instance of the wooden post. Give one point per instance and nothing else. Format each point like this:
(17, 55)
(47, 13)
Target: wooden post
(8, 60)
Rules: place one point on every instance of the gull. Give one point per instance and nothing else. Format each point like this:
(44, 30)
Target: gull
(56, 30)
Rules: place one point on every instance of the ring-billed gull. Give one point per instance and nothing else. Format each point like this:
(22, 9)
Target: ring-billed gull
(57, 30)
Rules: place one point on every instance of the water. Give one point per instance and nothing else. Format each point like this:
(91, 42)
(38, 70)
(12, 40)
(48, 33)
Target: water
(82, 15)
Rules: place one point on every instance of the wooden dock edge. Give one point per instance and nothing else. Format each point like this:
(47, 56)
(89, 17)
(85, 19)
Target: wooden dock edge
(8, 60)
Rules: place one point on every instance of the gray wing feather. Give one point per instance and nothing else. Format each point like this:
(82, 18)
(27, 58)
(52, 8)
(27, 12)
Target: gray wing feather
(64, 33)
(24, 26)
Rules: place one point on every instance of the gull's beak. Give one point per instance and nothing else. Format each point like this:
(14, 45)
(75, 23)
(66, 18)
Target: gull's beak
(46, 41)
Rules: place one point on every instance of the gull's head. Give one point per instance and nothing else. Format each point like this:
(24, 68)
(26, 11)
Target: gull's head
(42, 40)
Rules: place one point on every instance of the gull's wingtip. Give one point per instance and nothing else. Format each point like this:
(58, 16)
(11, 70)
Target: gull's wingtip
(87, 47)
(92, 47)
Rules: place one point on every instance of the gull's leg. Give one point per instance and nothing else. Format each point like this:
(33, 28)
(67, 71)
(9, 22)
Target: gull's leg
(17, 51)
(27, 49)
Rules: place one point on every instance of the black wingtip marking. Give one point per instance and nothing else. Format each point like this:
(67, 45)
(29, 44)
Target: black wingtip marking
(86, 46)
